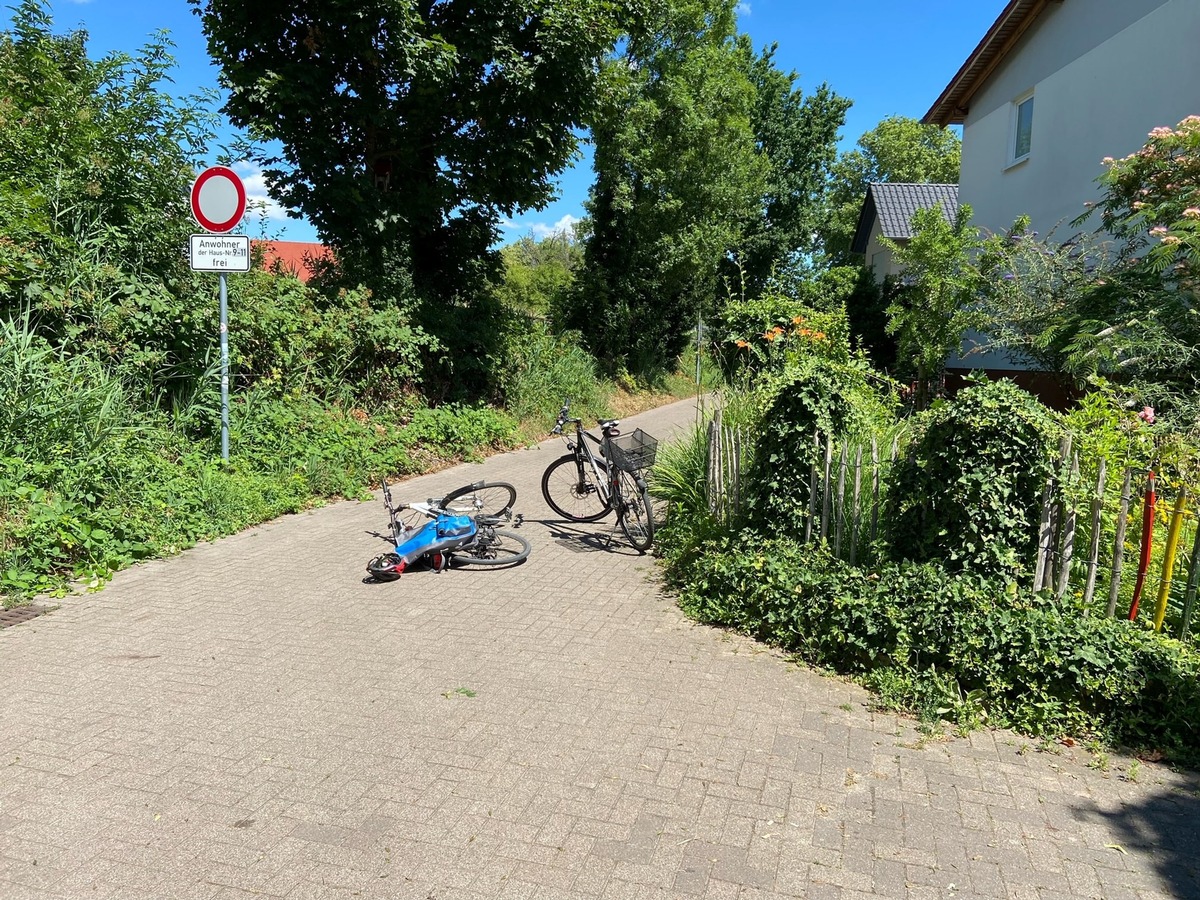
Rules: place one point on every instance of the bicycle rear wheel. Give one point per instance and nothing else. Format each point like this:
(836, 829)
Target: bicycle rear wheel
(488, 498)
(494, 548)
(571, 490)
(634, 513)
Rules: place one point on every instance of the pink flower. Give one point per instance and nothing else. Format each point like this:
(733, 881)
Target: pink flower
(1107, 161)
(1147, 415)
(1160, 131)
(1158, 230)
(1171, 239)
(1192, 212)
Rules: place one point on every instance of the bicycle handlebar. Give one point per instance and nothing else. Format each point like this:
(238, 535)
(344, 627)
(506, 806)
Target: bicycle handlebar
(563, 417)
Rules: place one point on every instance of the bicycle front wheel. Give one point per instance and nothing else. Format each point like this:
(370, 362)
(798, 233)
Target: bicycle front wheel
(634, 513)
(494, 548)
(570, 489)
(486, 498)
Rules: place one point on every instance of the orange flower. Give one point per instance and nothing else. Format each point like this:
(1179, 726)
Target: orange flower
(818, 335)
(798, 320)
(742, 344)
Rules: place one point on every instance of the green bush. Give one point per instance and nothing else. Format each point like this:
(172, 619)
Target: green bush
(968, 491)
(834, 400)
(343, 344)
(954, 645)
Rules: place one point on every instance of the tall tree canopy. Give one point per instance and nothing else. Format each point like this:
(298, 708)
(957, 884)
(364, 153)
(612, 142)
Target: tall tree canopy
(899, 150)
(409, 127)
(797, 137)
(90, 145)
(676, 175)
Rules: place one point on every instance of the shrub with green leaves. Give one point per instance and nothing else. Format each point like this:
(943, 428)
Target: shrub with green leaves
(951, 646)
(968, 491)
(810, 397)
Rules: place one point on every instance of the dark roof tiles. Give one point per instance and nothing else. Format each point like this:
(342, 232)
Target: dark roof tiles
(894, 205)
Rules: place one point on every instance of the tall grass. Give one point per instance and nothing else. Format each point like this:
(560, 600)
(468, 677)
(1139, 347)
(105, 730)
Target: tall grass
(55, 408)
(543, 369)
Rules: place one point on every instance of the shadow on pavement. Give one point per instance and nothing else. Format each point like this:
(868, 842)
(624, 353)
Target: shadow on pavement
(576, 540)
(1164, 828)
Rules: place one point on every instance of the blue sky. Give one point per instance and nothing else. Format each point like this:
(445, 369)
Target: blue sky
(890, 58)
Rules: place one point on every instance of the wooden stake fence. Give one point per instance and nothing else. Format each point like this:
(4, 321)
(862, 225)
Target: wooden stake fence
(1083, 529)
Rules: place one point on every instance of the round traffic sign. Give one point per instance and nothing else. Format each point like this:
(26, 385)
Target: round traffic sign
(218, 199)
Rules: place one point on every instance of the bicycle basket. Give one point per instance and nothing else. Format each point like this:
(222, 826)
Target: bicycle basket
(631, 452)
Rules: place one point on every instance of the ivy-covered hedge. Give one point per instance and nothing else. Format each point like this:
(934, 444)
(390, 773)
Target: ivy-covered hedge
(968, 490)
(954, 646)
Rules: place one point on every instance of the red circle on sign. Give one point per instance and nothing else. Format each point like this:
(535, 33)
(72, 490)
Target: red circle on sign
(218, 199)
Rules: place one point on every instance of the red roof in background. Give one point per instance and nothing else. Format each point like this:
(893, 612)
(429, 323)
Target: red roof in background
(291, 255)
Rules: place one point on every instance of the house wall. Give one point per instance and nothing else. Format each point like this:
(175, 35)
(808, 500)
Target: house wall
(879, 257)
(1104, 73)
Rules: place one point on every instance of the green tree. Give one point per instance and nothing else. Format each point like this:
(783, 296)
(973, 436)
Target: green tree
(538, 275)
(409, 127)
(96, 157)
(89, 145)
(796, 136)
(939, 292)
(1120, 303)
(899, 150)
(676, 174)
(1143, 324)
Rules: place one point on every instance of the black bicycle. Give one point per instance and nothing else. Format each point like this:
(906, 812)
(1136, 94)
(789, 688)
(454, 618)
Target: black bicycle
(603, 474)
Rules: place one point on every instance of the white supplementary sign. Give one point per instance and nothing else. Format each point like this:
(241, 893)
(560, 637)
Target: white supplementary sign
(220, 253)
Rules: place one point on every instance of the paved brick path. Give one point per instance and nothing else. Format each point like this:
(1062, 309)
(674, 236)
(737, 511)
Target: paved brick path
(249, 719)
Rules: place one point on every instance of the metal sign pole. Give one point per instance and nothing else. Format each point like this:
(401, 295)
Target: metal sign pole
(218, 201)
(224, 371)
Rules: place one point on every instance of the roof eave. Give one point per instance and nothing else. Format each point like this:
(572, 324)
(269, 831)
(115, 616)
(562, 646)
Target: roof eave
(952, 106)
(866, 221)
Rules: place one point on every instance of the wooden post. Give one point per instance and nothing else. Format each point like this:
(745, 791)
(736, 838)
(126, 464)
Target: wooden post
(1068, 545)
(737, 473)
(812, 488)
(711, 474)
(1189, 596)
(825, 485)
(1057, 512)
(1089, 588)
(839, 514)
(1045, 535)
(1149, 514)
(1114, 587)
(874, 488)
(725, 438)
(854, 523)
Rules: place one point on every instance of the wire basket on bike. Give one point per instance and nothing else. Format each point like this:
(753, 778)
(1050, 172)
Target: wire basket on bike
(633, 452)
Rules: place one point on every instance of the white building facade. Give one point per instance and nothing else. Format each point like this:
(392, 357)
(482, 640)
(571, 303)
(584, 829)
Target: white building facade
(1057, 85)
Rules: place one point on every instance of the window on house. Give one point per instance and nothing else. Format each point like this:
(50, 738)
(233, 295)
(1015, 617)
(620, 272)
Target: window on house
(1022, 128)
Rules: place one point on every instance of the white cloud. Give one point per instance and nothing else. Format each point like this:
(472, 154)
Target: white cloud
(540, 230)
(743, 9)
(258, 201)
